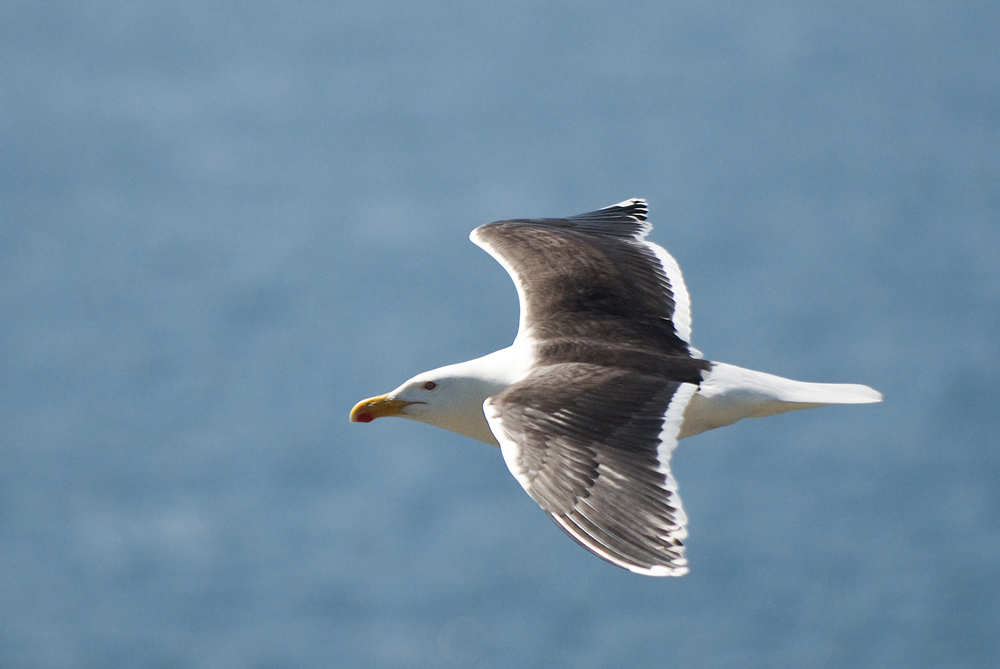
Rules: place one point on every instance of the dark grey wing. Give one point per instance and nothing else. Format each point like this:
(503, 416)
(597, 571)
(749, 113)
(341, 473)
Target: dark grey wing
(592, 445)
(594, 277)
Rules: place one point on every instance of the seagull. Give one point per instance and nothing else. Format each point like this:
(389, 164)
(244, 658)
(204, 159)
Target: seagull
(599, 385)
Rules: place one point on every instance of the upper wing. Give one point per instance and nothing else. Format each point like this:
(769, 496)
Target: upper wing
(593, 276)
(592, 444)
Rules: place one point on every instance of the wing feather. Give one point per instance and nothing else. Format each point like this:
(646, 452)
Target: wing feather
(592, 445)
(594, 276)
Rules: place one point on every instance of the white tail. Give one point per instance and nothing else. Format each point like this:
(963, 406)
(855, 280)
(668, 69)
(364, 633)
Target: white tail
(730, 393)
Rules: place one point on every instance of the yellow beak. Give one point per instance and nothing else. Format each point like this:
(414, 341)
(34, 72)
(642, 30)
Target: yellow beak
(368, 410)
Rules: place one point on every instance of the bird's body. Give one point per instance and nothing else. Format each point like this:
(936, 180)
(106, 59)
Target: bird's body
(601, 381)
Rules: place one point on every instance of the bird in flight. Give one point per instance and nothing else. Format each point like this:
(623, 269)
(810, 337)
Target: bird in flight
(600, 383)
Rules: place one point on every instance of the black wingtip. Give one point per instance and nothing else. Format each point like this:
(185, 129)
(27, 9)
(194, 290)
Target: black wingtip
(635, 207)
(625, 219)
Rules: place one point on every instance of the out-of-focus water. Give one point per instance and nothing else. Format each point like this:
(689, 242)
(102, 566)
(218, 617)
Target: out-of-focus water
(222, 224)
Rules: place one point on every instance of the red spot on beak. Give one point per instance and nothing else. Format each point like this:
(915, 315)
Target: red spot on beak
(364, 417)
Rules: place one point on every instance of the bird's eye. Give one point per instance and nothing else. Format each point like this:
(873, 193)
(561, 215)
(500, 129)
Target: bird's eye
(430, 385)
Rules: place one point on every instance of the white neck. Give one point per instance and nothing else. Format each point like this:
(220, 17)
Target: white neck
(457, 402)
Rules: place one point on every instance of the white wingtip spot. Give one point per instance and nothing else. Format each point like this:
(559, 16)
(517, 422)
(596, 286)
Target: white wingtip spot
(643, 213)
(660, 571)
(678, 568)
(628, 203)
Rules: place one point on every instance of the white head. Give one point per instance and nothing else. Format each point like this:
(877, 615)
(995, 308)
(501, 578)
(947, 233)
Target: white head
(450, 397)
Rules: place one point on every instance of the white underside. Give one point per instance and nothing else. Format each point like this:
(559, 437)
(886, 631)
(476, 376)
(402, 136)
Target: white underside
(727, 394)
(730, 393)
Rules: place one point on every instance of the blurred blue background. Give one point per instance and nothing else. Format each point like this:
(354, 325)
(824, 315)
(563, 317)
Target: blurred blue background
(222, 224)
